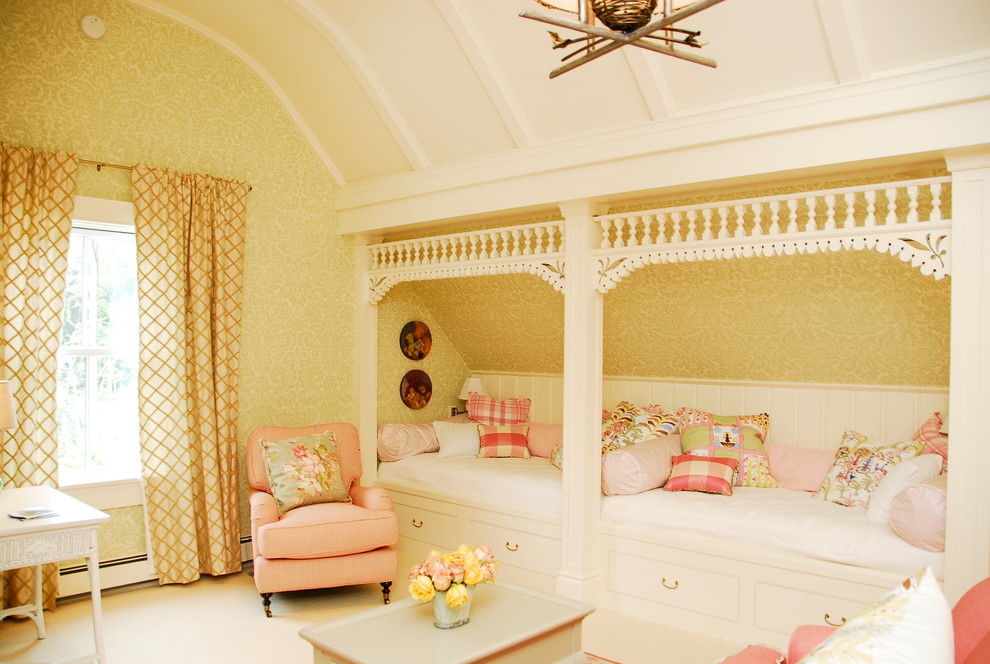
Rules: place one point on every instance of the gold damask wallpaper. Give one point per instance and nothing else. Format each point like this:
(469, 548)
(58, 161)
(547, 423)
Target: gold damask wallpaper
(444, 363)
(856, 317)
(156, 92)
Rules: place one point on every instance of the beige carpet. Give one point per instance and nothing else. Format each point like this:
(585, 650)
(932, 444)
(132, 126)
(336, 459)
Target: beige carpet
(220, 620)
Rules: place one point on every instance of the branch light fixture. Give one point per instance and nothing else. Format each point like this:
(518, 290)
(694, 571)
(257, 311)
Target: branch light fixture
(626, 22)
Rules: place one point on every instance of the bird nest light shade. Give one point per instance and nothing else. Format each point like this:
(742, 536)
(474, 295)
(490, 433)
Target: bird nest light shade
(624, 15)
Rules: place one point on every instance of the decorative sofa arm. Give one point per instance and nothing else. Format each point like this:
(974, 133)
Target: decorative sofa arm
(372, 498)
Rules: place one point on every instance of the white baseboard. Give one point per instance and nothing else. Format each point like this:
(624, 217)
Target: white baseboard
(74, 579)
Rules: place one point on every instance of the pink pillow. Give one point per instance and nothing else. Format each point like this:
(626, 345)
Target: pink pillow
(398, 441)
(640, 467)
(917, 514)
(755, 655)
(497, 442)
(798, 468)
(936, 442)
(705, 474)
(488, 411)
(543, 437)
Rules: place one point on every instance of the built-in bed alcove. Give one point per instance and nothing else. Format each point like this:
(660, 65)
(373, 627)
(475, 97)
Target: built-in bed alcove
(860, 243)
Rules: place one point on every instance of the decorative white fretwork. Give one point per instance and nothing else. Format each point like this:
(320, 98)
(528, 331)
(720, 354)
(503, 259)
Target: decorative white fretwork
(903, 219)
(535, 248)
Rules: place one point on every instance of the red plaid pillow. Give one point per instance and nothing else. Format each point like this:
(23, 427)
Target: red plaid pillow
(706, 474)
(936, 442)
(488, 411)
(503, 441)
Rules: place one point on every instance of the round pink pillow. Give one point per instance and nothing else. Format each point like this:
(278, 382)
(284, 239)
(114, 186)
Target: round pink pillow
(917, 514)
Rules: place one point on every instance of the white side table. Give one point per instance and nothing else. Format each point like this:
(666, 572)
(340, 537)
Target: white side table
(71, 534)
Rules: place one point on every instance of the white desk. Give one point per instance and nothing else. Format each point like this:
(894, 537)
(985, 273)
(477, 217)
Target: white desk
(509, 624)
(71, 534)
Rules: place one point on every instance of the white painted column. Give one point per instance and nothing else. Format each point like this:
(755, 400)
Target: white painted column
(578, 577)
(366, 360)
(967, 553)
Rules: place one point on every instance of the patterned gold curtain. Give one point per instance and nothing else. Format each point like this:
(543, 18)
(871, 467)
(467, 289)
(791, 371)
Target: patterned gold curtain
(190, 239)
(37, 192)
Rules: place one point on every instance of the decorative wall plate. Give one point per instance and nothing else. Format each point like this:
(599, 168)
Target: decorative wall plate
(416, 389)
(415, 340)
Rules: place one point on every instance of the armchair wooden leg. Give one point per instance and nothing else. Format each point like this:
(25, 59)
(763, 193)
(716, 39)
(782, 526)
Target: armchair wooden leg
(266, 601)
(386, 589)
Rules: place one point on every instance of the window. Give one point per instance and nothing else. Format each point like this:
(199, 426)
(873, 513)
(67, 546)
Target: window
(97, 372)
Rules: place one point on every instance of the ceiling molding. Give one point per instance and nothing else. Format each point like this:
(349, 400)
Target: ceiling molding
(472, 43)
(652, 84)
(870, 120)
(937, 83)
(844, 37)
(387, 110)
(262, 73)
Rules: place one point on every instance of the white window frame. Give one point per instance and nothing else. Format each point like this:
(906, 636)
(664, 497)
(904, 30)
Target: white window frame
(109, 214)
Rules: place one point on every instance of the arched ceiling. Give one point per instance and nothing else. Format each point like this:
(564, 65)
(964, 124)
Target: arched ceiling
(405, 100)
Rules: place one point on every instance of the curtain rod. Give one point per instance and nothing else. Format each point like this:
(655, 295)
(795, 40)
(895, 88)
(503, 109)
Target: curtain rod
(100, 165)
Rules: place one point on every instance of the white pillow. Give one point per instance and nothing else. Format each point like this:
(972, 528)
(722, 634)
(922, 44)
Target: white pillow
(912, 471)
(457, 438)
(911, 624)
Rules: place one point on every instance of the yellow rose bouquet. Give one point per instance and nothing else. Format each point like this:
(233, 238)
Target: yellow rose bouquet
(452, 572)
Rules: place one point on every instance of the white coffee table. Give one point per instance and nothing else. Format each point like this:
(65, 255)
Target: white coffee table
(509, 625)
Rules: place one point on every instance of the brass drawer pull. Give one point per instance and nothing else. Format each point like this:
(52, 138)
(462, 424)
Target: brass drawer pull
(842, 621)
(663, 582)
(511, 547)
(417, 525)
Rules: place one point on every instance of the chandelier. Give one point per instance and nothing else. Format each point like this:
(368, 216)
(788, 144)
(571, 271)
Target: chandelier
(627, 22)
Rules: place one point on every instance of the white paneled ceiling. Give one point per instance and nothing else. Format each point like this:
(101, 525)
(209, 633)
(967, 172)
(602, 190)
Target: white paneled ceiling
(410, 102)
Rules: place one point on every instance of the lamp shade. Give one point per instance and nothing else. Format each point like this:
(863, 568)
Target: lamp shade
(473, 384)
(8, 414)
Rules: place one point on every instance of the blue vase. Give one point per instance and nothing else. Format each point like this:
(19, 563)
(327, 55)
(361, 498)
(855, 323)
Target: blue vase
(449, 617)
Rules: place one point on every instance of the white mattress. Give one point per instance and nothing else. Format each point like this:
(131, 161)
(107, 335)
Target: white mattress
(782, 519)
(531, 483)
(794, 521)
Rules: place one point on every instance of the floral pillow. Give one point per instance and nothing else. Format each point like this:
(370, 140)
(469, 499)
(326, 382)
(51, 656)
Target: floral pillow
(628, 424)
(737, 437)
(859, 465)
(304, 471)
(911, 624)
(557, 455)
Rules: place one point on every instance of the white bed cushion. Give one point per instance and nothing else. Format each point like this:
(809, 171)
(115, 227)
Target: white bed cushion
(781, 519)
(458, 439)
(529, 483)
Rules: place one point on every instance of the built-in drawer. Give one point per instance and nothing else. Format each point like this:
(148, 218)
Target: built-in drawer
(516, 547)
(679, 586)
(781, 609)
(437, 529)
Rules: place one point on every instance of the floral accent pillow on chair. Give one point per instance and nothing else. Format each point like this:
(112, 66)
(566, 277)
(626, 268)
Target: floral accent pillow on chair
(304, 471)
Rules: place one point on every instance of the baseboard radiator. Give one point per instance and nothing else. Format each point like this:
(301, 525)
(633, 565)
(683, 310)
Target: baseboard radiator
(118, 572)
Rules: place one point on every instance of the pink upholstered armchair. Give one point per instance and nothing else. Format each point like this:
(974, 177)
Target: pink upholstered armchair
(970, 628)
(323, 545)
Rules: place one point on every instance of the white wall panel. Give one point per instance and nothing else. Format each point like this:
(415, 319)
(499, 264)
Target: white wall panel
(807, 415)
